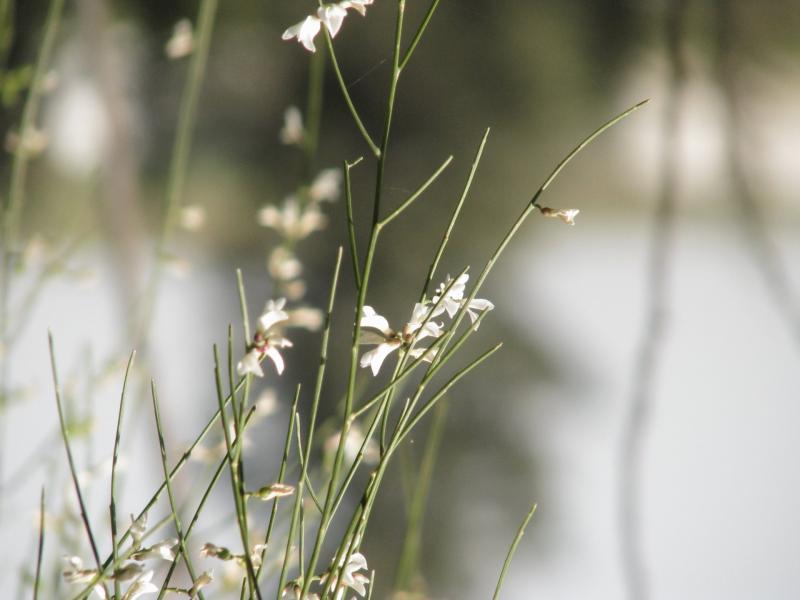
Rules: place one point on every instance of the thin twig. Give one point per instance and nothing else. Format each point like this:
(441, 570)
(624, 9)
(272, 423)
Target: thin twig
(512, 550)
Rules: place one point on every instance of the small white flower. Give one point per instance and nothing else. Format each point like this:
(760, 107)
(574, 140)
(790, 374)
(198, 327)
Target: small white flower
(201, 582)
(193, 217)
(358, 5)
(453, 299)
(326, 186)
(291, 221)
(128, 571)
(292, 133)
(182, 41)
(76, 573)
(274, 490)
(306, 317)
(138, 528)
(350, 576)
(165, 550)
(305, 32)
(250, 364)
(332, 17)
(567, 215)
(266, 341)
(386, 340)
(283, 265)
(141, 585)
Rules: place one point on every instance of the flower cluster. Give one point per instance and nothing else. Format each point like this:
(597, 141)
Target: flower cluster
(266, 341)
(299, 216)
(330, 15)
(132, 572)
(449, 299)
(351, 578)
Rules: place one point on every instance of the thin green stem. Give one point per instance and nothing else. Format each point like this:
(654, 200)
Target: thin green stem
(410, 200)
(347, 99)
(387, 125)
(281, 474)
(40, 548)
(454, 217)
(512, 550)
(418, 35)
(112, 509)
(351, 225)
(172, 506)
(236, 486)
(72, 469)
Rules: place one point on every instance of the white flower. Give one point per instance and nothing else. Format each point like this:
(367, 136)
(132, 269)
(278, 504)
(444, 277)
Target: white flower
(141, 585)
(250, 364)
(387, 340)
(291, 221)
(165, 550)
(201, 582)
(292, 133)
(567, 215)
(307, 318)
(326, 186)
(128, 571)
(138, 528)
(274, 490)
(350, 576)
(266, 341)
(283, 265)
(358, 5)
(182, 41)
(305, 32)
(452, 299)
(193, 217)
(76, 573)
(332, 16)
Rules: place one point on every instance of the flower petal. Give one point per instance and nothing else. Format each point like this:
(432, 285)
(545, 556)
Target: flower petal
(332, 16)
(375, 357)
(276, 358)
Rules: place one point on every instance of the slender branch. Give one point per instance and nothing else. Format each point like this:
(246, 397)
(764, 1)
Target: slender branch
(40, 549)
(512, 550)
(418, 35)
(115, 458)
(410, 200)
(72, 469)
(172, 506)
(347, 99)
(351, 225)
(454, 217)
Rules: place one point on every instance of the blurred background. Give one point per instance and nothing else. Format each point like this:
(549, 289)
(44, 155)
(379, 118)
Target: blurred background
(647, 393)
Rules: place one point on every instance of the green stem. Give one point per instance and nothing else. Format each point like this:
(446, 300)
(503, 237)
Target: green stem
(418, 35)
(40, 549)
(115, 458)
(512, 550)
(72, 469)
(172, 506)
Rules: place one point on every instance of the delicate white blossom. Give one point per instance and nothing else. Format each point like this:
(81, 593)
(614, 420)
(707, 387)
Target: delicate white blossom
(292, 133)
(202, 581)
(138, 528)
(567, 215)
(292, 221)
(165, 550)
(326, 186)
(182, 41)
(305, 32)
(376, 331)
(274, 490)
(193, 217)
(141, 585)
(266, 341)
(283, 265)
(351, 578)
(330, 15)
(450, 298)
